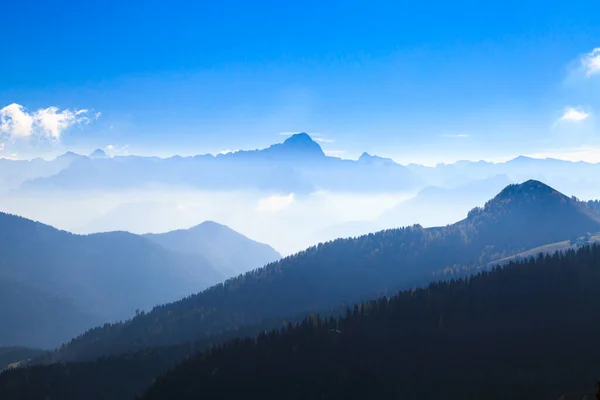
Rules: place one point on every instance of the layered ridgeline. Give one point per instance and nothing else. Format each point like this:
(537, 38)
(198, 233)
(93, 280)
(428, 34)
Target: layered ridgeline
(525, 331)
(56, 284)
(228, 251)
(521, 217)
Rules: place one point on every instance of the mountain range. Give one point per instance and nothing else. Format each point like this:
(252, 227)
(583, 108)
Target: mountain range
(297, 165)
(56, 284)
(520, 217)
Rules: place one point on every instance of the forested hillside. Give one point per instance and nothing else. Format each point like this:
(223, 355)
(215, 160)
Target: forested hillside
(522, 331)
(348, 270)
(526, 331)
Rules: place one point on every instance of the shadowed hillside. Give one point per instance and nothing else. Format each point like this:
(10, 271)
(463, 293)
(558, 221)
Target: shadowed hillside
(85, 279)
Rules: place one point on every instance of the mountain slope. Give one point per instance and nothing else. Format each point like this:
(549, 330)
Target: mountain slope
(108, 275)
(523, 331)
(432, 343)
(519, 218)
(228, 251)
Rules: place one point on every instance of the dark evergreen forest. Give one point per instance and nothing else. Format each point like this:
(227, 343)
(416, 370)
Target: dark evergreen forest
(529, 330)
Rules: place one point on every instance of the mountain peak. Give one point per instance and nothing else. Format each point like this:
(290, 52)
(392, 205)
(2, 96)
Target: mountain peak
(208, 225)
(299, 138)
(528, 199)
(69, 155)
(98, 153)
(531, 186)
(299, 144)
(372, 159)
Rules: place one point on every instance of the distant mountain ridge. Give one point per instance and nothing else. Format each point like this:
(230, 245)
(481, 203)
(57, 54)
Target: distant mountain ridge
(230, 252)
(72, 282)
(92, 276)
(297, 165)
(520, 217)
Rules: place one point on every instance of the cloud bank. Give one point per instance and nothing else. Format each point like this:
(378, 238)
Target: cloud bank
(48, 123)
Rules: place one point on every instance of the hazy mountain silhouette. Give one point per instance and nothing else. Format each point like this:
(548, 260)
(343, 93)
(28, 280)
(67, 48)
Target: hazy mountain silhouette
(298, 147)
(367, 158)
(432, 206)
(297, 165)
(13, 173)
(521, 217)
(228, 251)
(107, 275)
(440, 206)
(567, 176)
(98, 153)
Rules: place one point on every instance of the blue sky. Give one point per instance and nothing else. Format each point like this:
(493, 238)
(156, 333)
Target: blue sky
(415, 81)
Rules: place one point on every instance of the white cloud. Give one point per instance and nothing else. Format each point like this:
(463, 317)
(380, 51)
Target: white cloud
(111, 147)
(275, 203)
(591, 62)
(455, 135)
(1, 147)
(574, 114)
(17, 122)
